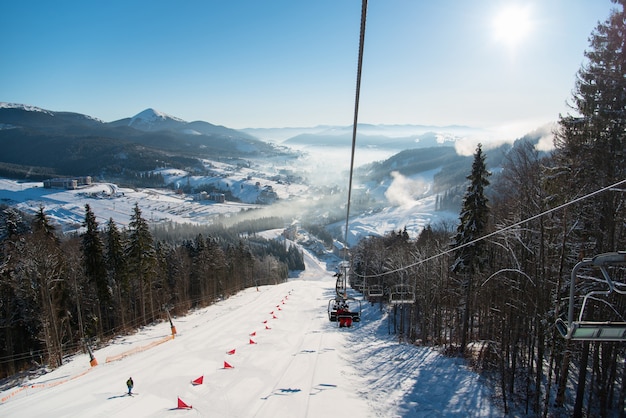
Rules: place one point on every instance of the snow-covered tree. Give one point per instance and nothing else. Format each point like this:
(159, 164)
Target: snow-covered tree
(469, 254)
(592, 143)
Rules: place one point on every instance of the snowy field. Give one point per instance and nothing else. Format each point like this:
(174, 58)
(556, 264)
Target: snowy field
(287, 361)
(404, 202)
(107, 200)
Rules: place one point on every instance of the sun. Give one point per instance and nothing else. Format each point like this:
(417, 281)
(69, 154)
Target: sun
(512, 25)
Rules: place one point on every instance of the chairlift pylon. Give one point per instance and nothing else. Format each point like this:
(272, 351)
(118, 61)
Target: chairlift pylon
(580, 329)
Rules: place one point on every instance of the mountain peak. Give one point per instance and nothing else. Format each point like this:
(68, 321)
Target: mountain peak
(150, 119)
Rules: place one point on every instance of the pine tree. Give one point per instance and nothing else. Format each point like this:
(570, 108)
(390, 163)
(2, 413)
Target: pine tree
(116, 269)
(43, 268)
(141, 263)
(589, 152)
(473, 225)
(42, 226)
(17, 320)
(95, 267)
(592, 144)
(200, 271)
(12, 223)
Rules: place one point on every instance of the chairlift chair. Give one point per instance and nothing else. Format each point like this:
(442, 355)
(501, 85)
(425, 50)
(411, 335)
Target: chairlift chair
(585, 330)
(401, 293)
(333, 307)
(340, 309)
(357, 284)
(375, 291)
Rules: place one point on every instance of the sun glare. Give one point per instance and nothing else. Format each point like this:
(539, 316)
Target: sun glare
(512, 25)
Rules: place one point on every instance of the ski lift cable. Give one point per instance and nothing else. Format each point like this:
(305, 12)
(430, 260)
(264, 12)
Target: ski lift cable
(506, 228)
(356, 115)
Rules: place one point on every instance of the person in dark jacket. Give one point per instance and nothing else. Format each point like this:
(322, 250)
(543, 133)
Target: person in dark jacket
(130, 384)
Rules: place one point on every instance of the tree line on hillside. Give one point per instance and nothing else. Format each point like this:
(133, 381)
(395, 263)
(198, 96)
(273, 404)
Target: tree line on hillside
(60, 294)
(493, 288)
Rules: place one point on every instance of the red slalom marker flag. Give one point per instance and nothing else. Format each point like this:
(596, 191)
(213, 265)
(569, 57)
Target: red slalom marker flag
(274, 317)
(266, 327)
(251, 341)
(265, 322)
(198, 381)
(183, 405)
(231, 352)
(252, 334)
(228, 366)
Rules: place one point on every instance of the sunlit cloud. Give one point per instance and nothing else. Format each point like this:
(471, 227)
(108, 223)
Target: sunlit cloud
(507, 133)
(404, 190)
(546, 141)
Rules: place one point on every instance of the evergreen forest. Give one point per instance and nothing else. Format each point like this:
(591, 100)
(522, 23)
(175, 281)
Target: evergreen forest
(60, 294)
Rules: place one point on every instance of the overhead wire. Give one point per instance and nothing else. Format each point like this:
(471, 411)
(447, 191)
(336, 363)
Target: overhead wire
(356, 114)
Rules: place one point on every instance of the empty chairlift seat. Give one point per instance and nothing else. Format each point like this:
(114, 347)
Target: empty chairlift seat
(401, 293)
(375, 291)
(578, 327)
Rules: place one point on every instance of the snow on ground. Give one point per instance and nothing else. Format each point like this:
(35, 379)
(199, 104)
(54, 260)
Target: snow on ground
(410, 204)
(244, 183)
(288, 361)
(66, 208)
(413, 216)
(107, 200)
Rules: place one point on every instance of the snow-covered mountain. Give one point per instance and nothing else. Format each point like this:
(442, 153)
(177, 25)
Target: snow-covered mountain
(37, 143)
(148, 120)
(152, 120)
(27, 108)
(25, 116)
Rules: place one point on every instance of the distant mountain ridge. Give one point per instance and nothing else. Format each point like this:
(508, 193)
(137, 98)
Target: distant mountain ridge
(149, 120)
(425, 140)
(390, 136)
(45, 143)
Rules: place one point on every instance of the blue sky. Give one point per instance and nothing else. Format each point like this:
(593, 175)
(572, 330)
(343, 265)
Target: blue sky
(278, 63)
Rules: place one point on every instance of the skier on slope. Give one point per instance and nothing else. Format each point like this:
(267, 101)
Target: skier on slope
(130, 384)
